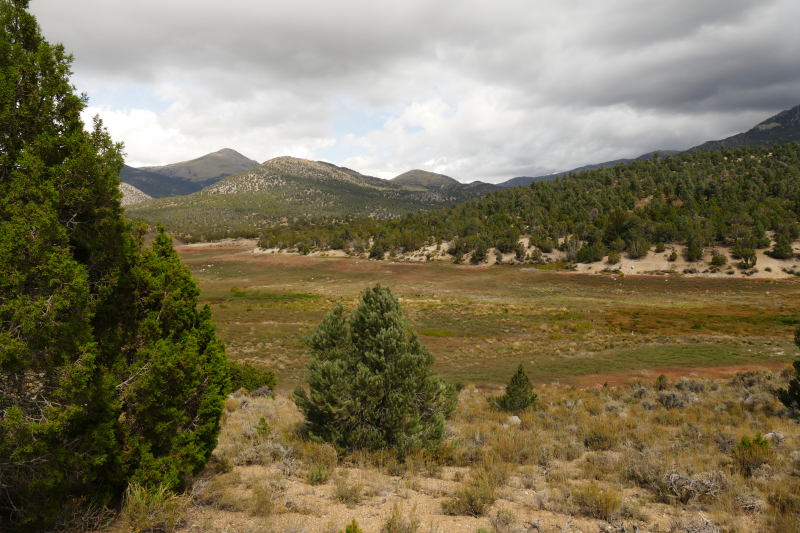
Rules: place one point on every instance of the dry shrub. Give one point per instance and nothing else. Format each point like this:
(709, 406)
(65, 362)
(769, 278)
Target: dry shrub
(596, 502)
(601, 435)
(685, 488)
(265, 500)
(347, 491)
(502, 521)
(397, 523)
(672, 399)
(158, 510)
(481, 492)
(645, 468)
(508, 448)
(218, 492)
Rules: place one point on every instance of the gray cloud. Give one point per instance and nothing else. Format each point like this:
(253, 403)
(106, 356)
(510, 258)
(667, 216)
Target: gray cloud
(477, 90)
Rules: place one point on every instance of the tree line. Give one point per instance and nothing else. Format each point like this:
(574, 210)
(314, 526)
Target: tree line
(700, 199)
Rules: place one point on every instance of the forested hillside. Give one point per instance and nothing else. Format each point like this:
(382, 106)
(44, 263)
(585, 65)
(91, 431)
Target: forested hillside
(702, 198)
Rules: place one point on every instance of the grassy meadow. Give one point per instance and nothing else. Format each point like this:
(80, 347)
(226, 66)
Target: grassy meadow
(480, 323)
(611, 446)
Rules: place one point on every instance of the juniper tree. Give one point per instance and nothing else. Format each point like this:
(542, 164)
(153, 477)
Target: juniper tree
(108, 372)
(370, 380)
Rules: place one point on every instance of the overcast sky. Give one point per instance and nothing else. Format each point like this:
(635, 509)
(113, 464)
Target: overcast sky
(483, 90)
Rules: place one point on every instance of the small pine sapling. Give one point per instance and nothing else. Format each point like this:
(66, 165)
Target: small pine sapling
(519, 393)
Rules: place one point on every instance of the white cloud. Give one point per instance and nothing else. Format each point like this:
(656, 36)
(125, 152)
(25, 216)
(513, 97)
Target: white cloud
(474, 89)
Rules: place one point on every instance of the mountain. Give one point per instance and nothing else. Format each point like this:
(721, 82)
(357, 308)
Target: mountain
(424, 180)
(526, 180)
(291, 187)
(782, 128)
(131, 195)
(208, 169)
(157, 185)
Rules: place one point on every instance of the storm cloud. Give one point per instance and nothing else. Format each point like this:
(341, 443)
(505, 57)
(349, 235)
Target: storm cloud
(475, 90)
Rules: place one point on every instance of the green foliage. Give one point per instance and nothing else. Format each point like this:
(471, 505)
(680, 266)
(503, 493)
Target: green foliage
(109, 373)
(318, 473)
(264, 429)
(246, 376)
(673, 256)
(370, 380)
(614, 257)
(638, 248)
(519, 393)
(791, 397)
(782, 248)
(351, 528)
(590, 254)
(718, 258)
(749, 455)
(662, 382)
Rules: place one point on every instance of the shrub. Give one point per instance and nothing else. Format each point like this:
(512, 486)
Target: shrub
(662, 382)
(791, 397)
(638, 248)
(614, 257)
(157, 509)
(718, 258)
(596, 502)
(481, 491)
(601, 436)
(673, 256)
(660, 248)
(370, 380)
(318, 473)
(519, 393)
(347, 492)
(671, 399)
(351, 528)
(396, 523)
(590, 254)
(749, 455)
(246, 376)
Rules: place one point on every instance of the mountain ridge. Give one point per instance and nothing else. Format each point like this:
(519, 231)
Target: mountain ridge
(207, 169)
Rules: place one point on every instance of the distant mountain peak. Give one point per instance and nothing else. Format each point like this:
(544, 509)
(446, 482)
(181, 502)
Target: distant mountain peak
(423, 179)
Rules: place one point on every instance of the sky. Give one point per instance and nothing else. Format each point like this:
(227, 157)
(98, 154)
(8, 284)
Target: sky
(476, 90)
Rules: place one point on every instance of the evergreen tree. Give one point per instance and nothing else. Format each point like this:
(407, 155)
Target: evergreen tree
(519, 393)
(370, 381)
(783, 248)
(107, 370)
(791, 397)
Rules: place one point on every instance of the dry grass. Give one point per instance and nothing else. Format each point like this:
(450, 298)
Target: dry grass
(153, 510)
(602, 455)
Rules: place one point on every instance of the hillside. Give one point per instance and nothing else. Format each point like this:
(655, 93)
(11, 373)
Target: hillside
(157, 185)
(131, 195)
(700, 200)
(424, 180)
(780, 129)
(289, 187)
(526, 180)
(207, 169)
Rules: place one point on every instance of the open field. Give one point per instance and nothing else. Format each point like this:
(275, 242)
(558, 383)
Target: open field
(667, 461)
(480, 323)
